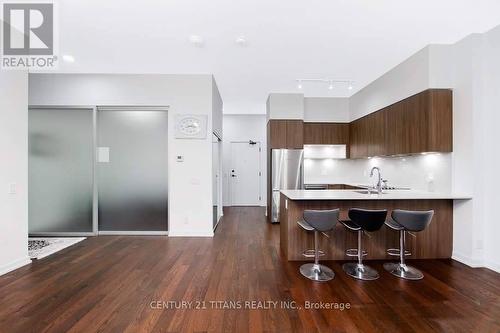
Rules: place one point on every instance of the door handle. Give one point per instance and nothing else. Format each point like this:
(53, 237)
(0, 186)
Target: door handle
(233, 175)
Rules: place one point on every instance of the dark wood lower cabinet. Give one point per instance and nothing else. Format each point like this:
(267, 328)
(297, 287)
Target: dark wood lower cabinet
(436, 241)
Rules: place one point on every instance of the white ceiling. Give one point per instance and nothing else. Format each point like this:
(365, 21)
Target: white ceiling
(357, 40)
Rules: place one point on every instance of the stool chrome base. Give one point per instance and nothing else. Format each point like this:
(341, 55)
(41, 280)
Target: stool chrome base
(403, 271)
(317, 272)
(360, 271)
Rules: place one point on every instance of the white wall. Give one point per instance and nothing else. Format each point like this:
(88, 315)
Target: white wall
(190, 182)
(217, 109)
(406, 79)
(13, 170)
(324, 109)
(217, 120)
(243, 128)
(430, 172)
(489, 146)
(285, 106)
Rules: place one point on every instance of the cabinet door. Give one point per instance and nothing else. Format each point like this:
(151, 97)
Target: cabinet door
(416, 118)
(326, 133)
(313, 134)
(358, 136)
(336, 134)
(440, 136)
(294, 134)
(376, 133)
(276, 134)
(396, 137)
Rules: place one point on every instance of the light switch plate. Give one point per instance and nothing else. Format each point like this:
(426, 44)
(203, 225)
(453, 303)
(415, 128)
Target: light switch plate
(103, 154)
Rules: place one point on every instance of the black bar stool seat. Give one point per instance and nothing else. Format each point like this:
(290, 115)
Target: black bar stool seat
(404, 221)
(360, 221)
(318, 221)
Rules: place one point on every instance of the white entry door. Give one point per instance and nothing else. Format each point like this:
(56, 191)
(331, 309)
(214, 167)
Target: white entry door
(245, 174)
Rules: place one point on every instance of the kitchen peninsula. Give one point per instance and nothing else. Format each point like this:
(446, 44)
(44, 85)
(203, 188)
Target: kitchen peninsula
(434, 242)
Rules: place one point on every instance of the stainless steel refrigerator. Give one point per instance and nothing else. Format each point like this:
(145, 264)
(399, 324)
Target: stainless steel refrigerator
(287, 174)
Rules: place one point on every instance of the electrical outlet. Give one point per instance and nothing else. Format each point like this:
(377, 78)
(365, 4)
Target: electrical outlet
(12, 188)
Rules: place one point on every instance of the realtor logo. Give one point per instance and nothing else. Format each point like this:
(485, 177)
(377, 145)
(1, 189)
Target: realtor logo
(28, 36)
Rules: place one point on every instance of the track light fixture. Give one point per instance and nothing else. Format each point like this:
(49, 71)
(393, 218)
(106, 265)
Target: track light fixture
(330, 82)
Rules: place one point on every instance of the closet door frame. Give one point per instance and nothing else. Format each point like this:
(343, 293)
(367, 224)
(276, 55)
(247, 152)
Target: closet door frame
(95, 193)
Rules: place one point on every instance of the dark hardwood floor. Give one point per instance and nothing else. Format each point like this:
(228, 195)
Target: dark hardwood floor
(111, 284)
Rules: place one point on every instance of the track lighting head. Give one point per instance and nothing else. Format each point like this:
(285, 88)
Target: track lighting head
(331, 83)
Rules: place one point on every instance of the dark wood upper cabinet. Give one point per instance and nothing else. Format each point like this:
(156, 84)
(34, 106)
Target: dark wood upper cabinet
(358, 138)
(276, 134)
(420, 123)
(287, 134)
(294, 134)
(417, 124)
(326, 133)
(440, 120)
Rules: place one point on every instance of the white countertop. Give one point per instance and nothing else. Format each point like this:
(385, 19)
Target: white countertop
(355, 184)
(357, 195)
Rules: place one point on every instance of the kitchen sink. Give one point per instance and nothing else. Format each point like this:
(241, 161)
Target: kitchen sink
(366, 192)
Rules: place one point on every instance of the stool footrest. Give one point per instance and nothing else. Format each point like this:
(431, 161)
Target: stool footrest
(354, 253)
(311, 253)
(397, 252)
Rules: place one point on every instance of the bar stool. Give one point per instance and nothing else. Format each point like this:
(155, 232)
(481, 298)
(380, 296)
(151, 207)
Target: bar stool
(362, 220)
(403, 221)
(317, 221)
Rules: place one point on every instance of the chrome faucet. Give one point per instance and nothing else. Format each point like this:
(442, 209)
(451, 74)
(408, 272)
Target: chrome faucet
(379, 183)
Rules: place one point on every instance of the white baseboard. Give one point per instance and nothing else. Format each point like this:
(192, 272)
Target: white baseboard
(494, 266)
(14, 265)
(173, 233)
(471, 262)
(133, 233)
(476, 263)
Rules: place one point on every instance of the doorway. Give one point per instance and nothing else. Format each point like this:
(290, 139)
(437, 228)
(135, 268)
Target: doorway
(245, 173)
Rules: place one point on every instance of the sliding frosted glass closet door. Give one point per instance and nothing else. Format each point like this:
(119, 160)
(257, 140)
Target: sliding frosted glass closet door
(60, 170)
(132, 170)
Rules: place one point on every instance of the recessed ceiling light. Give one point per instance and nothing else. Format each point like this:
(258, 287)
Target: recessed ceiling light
(241, 41)
(299, 85)
(196, 40)
(350, 86)
(68, 58)
(330, 87)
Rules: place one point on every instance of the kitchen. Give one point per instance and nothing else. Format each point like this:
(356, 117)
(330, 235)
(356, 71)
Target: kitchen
(398, 156)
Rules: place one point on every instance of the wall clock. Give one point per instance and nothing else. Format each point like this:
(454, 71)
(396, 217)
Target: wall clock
(190, 126)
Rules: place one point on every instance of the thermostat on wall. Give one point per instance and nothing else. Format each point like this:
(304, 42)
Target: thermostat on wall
(190, 126)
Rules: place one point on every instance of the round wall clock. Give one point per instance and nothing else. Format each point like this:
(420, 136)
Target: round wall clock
(191, 126)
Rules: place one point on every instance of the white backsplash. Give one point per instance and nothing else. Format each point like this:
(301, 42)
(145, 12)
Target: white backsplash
(429, 172)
